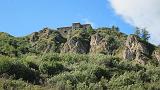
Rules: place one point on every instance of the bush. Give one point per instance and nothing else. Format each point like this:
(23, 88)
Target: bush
(128, 78)
(51, 57)
(99, 72)
(8, 84)
(129, 66)
(153, 74)
(5, 64)
(19, 70)
(51, 68)
(71, 58)
(81, 72)
(32, 65)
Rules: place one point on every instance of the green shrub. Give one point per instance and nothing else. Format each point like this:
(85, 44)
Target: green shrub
(72, 58)
(51, 57)
(5, 64)
(31, 61)
(129, 66)
(99, 72)
(32, 65)
(67, 71)
(19, 70)
(91, 86)
(128, 78)
(51, 68)
(8, 84)
(63, 78)
(153, 74)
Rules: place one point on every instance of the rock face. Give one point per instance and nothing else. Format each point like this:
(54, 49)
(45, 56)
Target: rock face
(46, 40)
(34, 37)
(75, 45)
(130, 48)
(97, 45)
(135, 49)
(45, 33)
(102, 45)
(156, 55)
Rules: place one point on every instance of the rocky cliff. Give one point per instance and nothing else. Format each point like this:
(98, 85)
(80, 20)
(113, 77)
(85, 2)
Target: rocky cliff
(104, 45)
(102, 41)
(47, 40)
(75, 45)
(135, 49)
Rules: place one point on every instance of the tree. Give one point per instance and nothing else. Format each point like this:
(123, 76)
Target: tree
(115, 28)
(142, 33)
(137, 32)
(145, 35)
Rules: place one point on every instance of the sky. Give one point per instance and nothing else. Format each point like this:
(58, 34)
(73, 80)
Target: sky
(22, 17)
(140, 13)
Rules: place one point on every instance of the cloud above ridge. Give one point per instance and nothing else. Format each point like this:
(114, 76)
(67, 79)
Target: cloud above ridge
(140, 13)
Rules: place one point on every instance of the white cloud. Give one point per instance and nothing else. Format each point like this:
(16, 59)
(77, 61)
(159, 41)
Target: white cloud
(141, 13)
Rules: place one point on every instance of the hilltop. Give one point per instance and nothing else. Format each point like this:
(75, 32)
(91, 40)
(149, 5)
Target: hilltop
(78, 57)
(81, 39)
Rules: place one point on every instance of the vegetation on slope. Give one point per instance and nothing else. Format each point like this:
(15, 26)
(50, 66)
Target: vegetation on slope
(77, 71)
(35, 62)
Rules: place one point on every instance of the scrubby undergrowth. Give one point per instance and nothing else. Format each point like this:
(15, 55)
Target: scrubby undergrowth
(77, 72)
(47, 61)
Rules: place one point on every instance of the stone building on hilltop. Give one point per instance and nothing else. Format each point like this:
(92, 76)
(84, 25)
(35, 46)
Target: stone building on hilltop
(75, 26)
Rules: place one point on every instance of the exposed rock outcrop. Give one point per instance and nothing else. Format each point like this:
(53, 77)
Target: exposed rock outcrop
(135, 49)
(104, 45)
(75, 45)
(46, 40)
(34, 37)
(156, 55)
(45, 33)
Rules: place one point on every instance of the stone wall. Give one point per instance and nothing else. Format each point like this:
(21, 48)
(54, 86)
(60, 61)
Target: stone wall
(75, 26)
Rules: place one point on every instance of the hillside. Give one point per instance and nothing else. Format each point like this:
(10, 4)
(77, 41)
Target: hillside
(80, 59)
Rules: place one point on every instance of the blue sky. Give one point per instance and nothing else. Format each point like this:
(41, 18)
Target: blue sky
(22, 17)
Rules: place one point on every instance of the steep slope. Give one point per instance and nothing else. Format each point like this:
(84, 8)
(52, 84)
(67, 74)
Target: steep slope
(107, 41)
(46, 40)
(98, 59)
(77, 42)
(156, 54)
(12, 46)
(136, 49)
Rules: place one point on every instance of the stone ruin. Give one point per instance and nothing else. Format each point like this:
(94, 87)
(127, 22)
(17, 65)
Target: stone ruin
(75, 26)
